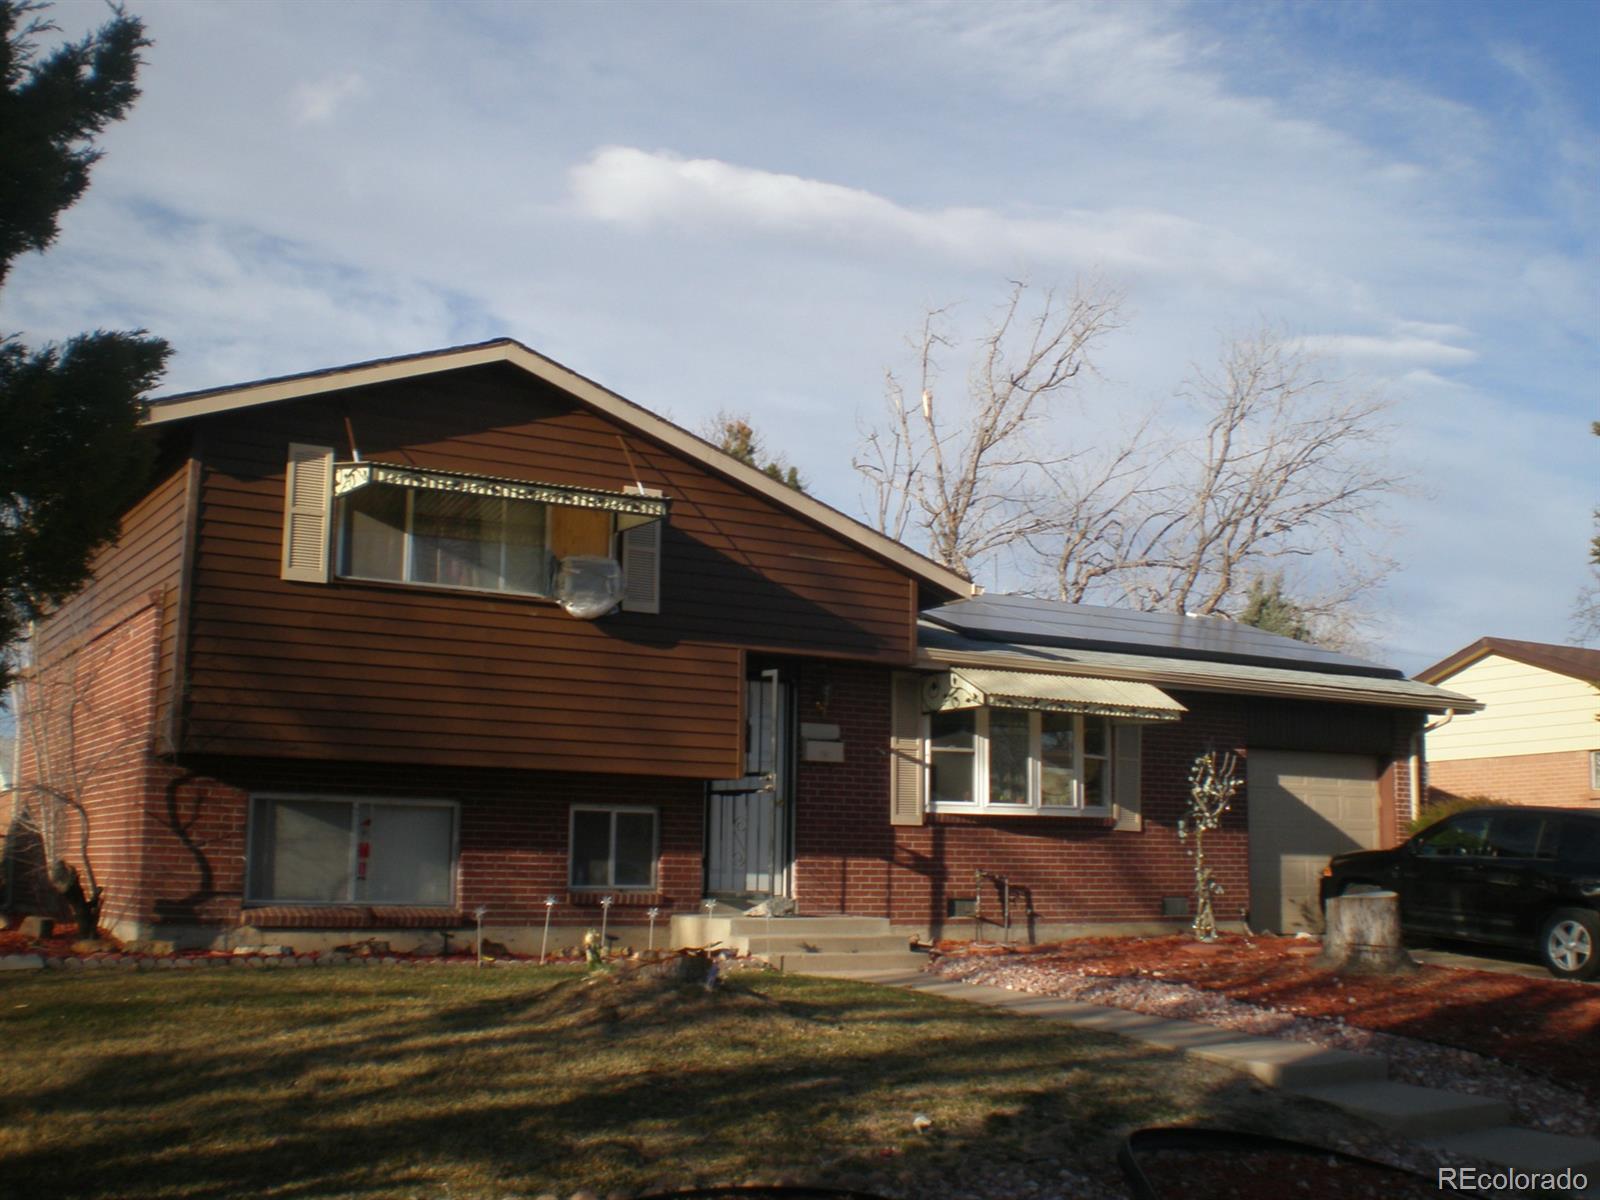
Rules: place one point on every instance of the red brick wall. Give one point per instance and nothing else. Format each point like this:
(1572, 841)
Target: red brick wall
(513, 842)
(1061, 869)
(86, 723)
(1518, 779)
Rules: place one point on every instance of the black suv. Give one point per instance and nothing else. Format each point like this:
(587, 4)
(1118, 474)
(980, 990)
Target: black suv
(1523, 877)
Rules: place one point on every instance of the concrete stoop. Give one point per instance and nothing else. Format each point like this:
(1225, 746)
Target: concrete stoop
(1473, 1127)
(813, 945)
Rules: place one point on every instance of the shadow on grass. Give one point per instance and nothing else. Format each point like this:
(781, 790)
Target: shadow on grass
(303, 1084)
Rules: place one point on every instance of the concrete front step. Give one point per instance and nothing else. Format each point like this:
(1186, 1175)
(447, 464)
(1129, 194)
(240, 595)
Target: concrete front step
(866, 963)
(697, 929)
(1525, 1150)
(883, 943)
(1417, 1112)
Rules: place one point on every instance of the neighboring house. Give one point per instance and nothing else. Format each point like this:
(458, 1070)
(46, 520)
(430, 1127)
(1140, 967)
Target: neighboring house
(1537, 740)
(359, 670)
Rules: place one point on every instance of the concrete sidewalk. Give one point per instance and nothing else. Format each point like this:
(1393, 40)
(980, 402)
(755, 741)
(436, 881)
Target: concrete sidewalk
(1471, 1126)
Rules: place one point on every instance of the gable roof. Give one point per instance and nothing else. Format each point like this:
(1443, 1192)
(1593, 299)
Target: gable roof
(1575, 662)
(213, 401)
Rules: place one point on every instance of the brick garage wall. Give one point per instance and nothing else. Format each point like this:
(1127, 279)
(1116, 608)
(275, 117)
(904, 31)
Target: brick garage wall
(91, 710)
(1553, 779)
(513, 840)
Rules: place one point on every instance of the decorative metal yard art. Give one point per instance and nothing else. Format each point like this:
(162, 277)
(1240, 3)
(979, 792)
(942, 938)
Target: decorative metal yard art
(1212, 787)
(544, 941)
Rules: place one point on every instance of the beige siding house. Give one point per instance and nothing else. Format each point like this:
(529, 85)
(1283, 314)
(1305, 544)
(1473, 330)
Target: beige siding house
(1537, 740)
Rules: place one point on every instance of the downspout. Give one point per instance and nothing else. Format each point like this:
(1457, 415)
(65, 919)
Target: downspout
(1416, 758)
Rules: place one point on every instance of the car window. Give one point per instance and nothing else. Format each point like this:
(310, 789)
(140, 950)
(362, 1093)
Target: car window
(1515, 835)
(1580, 841)
(1456, 837)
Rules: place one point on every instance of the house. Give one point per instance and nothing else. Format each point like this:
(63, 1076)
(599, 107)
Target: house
(390, 644)
(1537, 739)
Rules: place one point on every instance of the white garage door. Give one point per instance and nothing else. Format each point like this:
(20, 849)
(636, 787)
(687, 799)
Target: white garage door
(1304, 808)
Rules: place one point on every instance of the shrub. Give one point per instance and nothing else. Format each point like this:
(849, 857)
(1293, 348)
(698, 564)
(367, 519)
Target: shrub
(1437, 810)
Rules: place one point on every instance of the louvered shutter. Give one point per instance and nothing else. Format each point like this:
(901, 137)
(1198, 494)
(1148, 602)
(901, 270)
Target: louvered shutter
(307, 512)
(1125, 776)
(641, 568)
(905, 752)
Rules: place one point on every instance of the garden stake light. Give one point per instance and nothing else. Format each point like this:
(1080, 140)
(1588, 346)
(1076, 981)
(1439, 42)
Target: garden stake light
(653, 914)
(1212, 787)
(478, 912)
(549, 906)
(605, 913)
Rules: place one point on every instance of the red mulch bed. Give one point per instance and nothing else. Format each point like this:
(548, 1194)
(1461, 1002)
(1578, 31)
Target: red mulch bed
(1549, 1026)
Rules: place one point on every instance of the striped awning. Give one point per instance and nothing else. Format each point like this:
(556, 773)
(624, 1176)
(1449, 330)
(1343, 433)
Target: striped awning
(631, 508)
(975, 687)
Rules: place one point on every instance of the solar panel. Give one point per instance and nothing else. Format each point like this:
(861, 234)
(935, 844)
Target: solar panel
(1027, 620)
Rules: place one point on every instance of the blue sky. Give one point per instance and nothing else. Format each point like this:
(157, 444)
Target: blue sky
(748, 207)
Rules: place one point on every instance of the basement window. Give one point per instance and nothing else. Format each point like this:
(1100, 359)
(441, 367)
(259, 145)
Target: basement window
(329, 850)
(613, 847)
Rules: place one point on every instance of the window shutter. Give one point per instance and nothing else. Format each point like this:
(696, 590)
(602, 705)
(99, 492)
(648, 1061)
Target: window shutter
(307, 512)
(905, 752)
(641, 568)
(1125, 776)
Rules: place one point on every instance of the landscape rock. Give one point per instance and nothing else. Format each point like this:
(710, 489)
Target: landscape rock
(21, 962)
(37, 928)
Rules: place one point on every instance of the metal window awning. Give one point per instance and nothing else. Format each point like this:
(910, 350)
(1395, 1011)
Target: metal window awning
(974, 687)
(631, 508)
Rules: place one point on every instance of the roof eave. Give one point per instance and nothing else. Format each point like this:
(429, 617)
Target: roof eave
(1195, 680)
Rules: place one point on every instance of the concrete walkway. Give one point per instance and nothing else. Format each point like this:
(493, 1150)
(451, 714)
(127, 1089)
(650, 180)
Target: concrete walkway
(1471, 1126)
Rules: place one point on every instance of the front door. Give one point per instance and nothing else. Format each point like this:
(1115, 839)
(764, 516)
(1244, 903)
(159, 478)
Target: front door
(748, 819)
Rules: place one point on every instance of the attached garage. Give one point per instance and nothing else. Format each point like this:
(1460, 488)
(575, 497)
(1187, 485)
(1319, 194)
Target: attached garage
(1303, 809)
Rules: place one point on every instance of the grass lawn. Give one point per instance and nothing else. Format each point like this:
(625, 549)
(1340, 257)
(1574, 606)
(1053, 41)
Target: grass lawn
(462, 1083)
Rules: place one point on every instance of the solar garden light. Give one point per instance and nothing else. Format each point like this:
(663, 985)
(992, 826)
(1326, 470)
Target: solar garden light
(605, 912)
(549, 907)
(653, 913)
(1212, 787)
(478, 912)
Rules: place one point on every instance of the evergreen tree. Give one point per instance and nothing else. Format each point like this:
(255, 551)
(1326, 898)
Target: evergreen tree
(72, 457)
(734, 435)
(1267, 608)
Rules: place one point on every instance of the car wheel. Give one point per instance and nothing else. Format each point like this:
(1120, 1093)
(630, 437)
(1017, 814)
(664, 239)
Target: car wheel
(1569, 945)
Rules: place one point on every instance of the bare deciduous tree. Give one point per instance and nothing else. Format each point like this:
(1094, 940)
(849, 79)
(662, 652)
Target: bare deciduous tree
(972, 474)
(1290, 465)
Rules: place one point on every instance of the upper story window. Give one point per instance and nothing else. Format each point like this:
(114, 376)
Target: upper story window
(589, 549)
(1016, 760)
(449, 539)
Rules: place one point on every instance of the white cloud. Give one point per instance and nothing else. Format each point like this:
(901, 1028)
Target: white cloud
(1395, 349)
(317, 101)
(647, 190)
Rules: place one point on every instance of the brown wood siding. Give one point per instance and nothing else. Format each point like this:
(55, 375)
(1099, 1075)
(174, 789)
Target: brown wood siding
(145, 561)
(388, 672)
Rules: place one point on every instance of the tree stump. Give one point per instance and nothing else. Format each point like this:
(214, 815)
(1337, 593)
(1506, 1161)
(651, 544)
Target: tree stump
(1363, 935)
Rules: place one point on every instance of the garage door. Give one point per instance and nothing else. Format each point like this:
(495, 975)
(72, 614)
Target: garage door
(1304, 808)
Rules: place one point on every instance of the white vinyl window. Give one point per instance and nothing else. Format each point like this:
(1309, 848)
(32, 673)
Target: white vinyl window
(613, 846)
(334, 850)
(1019, 761)
(446, 539)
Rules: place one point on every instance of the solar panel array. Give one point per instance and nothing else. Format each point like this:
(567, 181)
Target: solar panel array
(1026, 620)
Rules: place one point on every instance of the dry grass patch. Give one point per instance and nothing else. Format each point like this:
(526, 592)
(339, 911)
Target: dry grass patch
(497, 1083)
